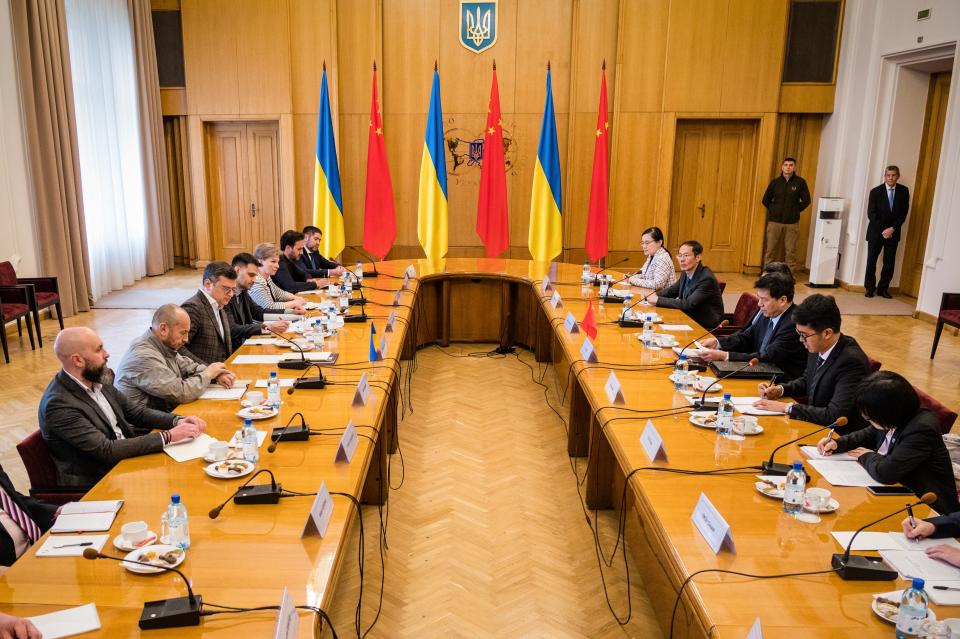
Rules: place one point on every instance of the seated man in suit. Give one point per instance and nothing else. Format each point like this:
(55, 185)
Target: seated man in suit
(152, 373)
(697, 292)
(209, 340)
(89, 425)
(22, 521)
(312, 262)
(290, 276)
(835, 367)
(772, 339)
(247, 317)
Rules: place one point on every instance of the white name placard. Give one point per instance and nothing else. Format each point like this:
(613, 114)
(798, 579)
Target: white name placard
(288, 623)
(391, 321)
(555, 300)
(406, 282)
(714, 528)
(396, 299)
(348, 444)
(410, 272)
(652, 443)
(614, 389)
(756, 632)
(320, 513)
(588, 352)
(570, 323)
(362, 394)
(546, 286)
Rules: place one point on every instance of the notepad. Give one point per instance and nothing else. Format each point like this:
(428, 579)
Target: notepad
(71, 545)
(69, 622)
(840, 473)
(193, 449)
(260, 341)
(943, 597)
(813, 453)
(869, 540)
(676, 327)
(220, 393)
(744, 406)
(86, 516)
(916, 564)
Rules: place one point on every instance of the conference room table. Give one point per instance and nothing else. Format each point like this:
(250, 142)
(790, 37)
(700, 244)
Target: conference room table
(246, 556)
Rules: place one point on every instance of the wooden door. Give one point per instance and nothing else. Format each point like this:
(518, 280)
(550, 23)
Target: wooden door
(921, 199)
(243, 175)
(713, 168)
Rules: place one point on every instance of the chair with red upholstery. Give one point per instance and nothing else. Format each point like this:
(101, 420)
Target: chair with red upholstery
(14, 305)
(874, 364)
(945, 416)
(44, 292)
(723, 286)
(949, 314)
(43, 474)
(742, 315)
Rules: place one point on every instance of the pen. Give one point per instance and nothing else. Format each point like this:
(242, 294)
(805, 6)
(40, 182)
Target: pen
(913, 522)
(86, 543)
(945, 588)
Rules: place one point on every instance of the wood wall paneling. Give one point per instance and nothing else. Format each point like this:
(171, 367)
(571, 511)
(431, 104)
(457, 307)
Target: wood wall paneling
(695, 35)
(210, 56)
(263, 56)
(752, 55)
(807, 98)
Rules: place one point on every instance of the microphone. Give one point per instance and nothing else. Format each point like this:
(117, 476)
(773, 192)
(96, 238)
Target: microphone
(695, 339)
(703, 398)
(299, 433)
(363, 300)
(247, 494)
(624, 322)
(770, 468)
(362, 317)
(309, 383)
(291, 364)
(863, 568)
(162, 613)
(373, 260)
(614, 298)
(596, 276)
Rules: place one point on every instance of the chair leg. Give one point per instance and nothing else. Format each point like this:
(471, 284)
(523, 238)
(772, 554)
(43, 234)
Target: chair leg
(30, 333)
(36, 321)
(936, 338)
(19, 328)
(3, 338)
(59, 315)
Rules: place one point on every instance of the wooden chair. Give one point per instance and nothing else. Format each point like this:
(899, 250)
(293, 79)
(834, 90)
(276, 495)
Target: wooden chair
(14, 305)
(945, 416)
(42, 472)
(949, 314)
(44, 292)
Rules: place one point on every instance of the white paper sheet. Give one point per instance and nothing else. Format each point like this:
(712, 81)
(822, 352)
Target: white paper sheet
(256, 359)
(868, 540)
(813, 453)
(943, 597)
(191, 450)
(840, 473)
(261, 341)
(287, 317)
(66, 545)
(69, 622)
(285, 382)
(676, 327)
(744, 406)
(916, 563)
(221, 393)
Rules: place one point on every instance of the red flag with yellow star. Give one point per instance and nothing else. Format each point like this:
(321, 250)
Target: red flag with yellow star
(493, 226)
(596, 243)
(379, 214)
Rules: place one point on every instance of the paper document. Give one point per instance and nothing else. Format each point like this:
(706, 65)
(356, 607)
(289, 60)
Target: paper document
(261, 341)
(194, 449)
(219, 392)
(916, 563)
(813, 453)
(840, 473)
(690, 351)
(310, 356)
(943, 597)
(71, 545)
(286, 317)
(676, 327)
(744, 406)
(86, 516)
(69, 622)
(256, 359)
(867, 540)
(285, 382)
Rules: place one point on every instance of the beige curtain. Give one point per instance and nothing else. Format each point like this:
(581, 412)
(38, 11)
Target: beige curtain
(159, 236)
(43, 61)
(181, 212)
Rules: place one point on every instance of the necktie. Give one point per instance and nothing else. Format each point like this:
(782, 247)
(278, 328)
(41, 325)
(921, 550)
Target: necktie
(890, 195)
(767, 335)
(27, 525)
(820, 361)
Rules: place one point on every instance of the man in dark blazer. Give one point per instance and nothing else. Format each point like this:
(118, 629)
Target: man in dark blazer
(20, 529)
(246, 317)
(210, 339)
(835, 367)
(696, 292)
(887, 209)
(89, 425)
(315, 264)
(291, 276)
(772, 338)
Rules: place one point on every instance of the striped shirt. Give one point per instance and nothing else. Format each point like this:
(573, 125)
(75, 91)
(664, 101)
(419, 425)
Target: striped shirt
(268, 295)
(657, 273)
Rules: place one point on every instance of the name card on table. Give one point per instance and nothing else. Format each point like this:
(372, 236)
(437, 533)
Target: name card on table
(410, 272)
(391, 321)
(348, 444)
(406, 282)
(555, 301)
(570, 323)
(362, 394)
(755, 631)
(383, 346)
(545, 285)
(714, 528)
(588, 352)
(614, 389)
(396, 299)
(288, 623)
(320, 513)
(652, 443)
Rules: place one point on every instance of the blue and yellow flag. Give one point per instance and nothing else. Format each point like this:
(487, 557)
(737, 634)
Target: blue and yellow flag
(327, 199)
(546, 217)
(432, 204)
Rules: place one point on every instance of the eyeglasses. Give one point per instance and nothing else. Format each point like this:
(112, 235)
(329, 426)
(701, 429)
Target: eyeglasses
(647, 242)
(229, 290)
(805, 336)
(684, 256)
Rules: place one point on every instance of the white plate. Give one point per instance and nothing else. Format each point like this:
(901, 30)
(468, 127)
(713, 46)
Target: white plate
(217, 469)
(740, 432)
(888, 614)
(156, 549)
(257, 412)
(120, 542)
(232, 454)
(768, 491)
(698, 418)
(832, 506)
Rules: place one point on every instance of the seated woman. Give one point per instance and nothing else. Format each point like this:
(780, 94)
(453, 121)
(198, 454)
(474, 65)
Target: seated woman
(657, 272)
(902, 443)
(264, 292)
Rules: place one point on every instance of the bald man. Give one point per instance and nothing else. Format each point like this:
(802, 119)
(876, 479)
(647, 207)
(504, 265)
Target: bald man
(152, 373)
(89, 425)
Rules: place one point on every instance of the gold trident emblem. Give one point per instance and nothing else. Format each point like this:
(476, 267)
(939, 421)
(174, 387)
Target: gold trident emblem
(478, 31)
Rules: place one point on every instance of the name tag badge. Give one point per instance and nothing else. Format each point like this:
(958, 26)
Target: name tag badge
(391, 320)
(546, 286)
(320, 513)
(348, 444)
(288, 623)
(570, 323)
(588, 352)
(714, 528)
(614, 389)
(756, 632)
(652, 443)
(555, 301)
(362, 394)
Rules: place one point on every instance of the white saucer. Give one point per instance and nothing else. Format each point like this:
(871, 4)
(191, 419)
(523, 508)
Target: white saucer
(250, 413)
(768, 491)
(121, 543)
(156, 549)
(832, 506)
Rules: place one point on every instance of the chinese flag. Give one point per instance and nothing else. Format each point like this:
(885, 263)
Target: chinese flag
(492, 224)
(596, 243)
(589, 323)
(379, 215)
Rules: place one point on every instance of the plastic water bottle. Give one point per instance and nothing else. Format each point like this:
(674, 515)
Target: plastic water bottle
(344, 297)
(359, 271)
(647, 338)
(793, 489)
(251, 448)
(681, 371)
(627, 303)
(913, 611)
(178, 524)
(725, 416)
(318, 334)
(308, 330)
(273, 390)
(604, 287)
(587, 275)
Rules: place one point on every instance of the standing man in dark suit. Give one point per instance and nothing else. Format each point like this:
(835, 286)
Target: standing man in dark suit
(22, 521)
(89, 425)
(312, 262)
(835, 367)
(785, 198)
(887, 209)
(697, 292)
(246, 317)
(291, 276)
(210, 339)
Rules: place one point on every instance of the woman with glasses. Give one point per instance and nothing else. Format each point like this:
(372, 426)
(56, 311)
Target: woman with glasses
(264, 292)
(657, 272)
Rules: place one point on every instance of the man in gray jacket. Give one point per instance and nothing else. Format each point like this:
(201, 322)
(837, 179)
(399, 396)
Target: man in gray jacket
(152, 373)
(88, 425)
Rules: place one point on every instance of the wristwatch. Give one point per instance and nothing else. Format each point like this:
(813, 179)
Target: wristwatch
(788, 409)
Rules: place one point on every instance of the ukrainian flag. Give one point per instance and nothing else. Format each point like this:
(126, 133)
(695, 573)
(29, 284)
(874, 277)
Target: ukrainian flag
(432, 205)
(327, 198)
(546, 217)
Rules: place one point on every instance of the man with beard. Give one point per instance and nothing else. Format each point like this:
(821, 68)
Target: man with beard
(88, 425)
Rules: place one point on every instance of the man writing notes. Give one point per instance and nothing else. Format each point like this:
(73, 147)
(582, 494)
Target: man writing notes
(772, 338)
(152, 373)
(835, 367)
(209, 340)
(785, 198)
(246, 317)
(312, 262)
(89, 425)
(887, 210)
(697, 292)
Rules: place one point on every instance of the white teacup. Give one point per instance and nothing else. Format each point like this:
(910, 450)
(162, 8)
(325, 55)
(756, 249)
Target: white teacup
(303, 344)
(954, 625)
(666, 340)
(135, 531)
(746, 424)
(218, 450)
(703, 382)
(255, 397)
(817, 498)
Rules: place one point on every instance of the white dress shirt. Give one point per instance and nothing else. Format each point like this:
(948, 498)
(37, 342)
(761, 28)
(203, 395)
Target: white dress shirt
(101, 401)
(215, 305)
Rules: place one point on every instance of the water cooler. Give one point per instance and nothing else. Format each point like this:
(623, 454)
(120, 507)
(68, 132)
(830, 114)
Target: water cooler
(826, 242)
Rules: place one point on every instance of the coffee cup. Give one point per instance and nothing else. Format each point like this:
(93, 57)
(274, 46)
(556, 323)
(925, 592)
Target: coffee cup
(135, 531)
(218, 451)
(747, 424)
(704, 381)
(254, 397)
(817, 499)
(954, 625)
